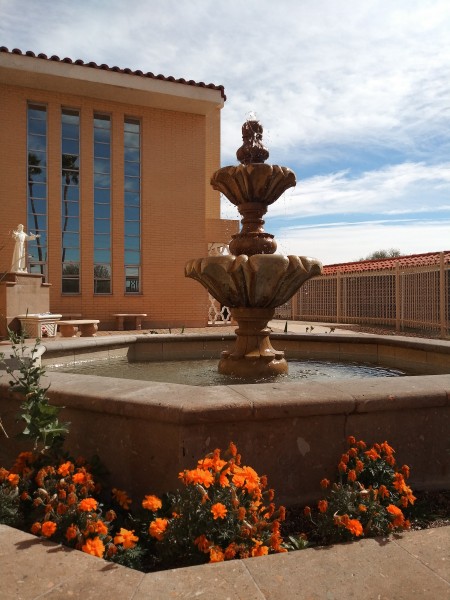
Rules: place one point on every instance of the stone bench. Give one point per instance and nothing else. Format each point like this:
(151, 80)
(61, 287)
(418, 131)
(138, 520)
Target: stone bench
(120, 317)
(87, 327)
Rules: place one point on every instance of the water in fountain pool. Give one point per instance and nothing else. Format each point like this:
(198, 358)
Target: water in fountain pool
(204, 372)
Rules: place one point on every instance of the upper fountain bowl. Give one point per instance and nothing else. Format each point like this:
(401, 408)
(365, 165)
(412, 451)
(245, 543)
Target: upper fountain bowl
(253, 183)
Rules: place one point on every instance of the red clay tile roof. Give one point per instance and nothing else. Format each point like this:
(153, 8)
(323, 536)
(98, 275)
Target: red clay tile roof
(413, 260)
(104, 67)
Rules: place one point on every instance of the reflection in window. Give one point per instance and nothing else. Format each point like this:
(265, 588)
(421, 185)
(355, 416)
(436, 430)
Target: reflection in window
(37, 187)
(70, 200)
(132, 200)
(102, 204)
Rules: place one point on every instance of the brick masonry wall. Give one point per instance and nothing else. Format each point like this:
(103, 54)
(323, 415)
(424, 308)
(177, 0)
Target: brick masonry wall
(180, 151)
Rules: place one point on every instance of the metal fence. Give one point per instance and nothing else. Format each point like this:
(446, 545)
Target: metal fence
(411, 297)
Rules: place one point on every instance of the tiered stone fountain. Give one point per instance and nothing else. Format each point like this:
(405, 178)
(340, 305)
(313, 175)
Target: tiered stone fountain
(252, 281)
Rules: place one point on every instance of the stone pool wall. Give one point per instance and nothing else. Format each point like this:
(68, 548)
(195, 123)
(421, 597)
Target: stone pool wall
(147, 432)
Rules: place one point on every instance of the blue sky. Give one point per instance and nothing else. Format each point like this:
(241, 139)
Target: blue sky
(354, 96)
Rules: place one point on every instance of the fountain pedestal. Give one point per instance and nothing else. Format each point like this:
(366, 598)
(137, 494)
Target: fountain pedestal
(253, 354)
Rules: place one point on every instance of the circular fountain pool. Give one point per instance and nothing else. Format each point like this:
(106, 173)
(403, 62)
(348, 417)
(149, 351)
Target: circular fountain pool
(204, 372)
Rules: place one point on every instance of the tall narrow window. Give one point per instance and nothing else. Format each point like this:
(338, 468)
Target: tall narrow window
(102, 204)
(70, 199)
(132, 196)
(37, 187)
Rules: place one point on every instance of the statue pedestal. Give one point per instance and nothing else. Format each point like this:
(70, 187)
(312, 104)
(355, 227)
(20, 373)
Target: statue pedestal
(21, 294)
(253, 355)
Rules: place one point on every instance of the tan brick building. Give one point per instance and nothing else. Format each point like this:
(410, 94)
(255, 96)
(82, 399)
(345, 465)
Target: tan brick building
(111, 168)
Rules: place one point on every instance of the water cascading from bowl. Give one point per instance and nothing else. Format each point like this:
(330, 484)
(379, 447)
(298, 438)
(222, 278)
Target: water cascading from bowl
(252, 281)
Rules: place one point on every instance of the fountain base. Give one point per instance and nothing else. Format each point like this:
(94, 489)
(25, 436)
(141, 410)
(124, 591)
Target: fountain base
(253, 354)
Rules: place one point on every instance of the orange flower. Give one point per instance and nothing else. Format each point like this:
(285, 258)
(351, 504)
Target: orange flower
(353, 452)
(351, 475)
(282, 513)
(65, 469)
(202, 543)
(80, 478)
(157, 528)
(219, 510)
(351, 440)
(387, 449)
(71, 532)
(205, 478)
(322, 505)
(88, 504)
(126, 538)
(399, 483)
(324, 483)
(359, 466)
(399, 519)
(342, 467)
(216, 554)
(61, 509)
(121, 498)
(94, 546)
(48, 528)
(241, 513)
(361, 445)
(405, 471)
(110, 516)
(362, 508)
(258, 549)
(71, 499)
(246, 477)
(13, 479)
(383, 491)
(345, 458)
(307, 511)
(101, 528)
(372, 454)
(355, 527)
(230, 551)
(152, 503)
(232, 449)
(35, 528)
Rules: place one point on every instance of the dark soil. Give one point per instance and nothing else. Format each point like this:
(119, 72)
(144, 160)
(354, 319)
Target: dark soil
(431, 509)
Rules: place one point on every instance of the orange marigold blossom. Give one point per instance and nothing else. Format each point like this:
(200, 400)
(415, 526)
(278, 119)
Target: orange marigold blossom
(246, 477)
(241, 513)
(307, 511)
(80, 477)
(372, 454)
(355, 527)
(198, 475)
(324, 483)
(345, 458)
(219, 510)
(342, 467)
(383, 491)
(110, 515)
(101, 528)
(282, 513)
(394, 510)
(399, 483)
(71, 499)
(353, 452)
(48, 528)
(61, 509)
(126, 538)
(359, 466)
(152, 503)
(94, 546)
(258, 549)
(351, 475)
(157, 528)
(202, 543)
(71, 532)
(65, 469)
(351, 440)
(387, 449)
(13, 479)
(361, 445)
(232, 449)
(322, 505)
(362, 508)
(87, 504)
(216, 554)
(122, 498)
(230, 551)
(405, 471)
(35, 528)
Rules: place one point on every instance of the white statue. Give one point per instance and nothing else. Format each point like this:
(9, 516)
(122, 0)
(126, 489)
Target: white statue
(19, 260)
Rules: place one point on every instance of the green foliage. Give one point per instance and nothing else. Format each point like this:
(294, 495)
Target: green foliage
(42, 425)
(380, 254)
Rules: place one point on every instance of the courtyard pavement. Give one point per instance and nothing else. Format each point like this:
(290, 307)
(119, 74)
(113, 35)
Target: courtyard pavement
(413, 565)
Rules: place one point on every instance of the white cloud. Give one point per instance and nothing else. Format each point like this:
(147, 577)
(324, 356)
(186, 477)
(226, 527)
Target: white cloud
(407, 187)
(343, 242)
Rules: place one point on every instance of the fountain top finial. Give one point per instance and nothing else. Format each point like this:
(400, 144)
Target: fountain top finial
(252, 150)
